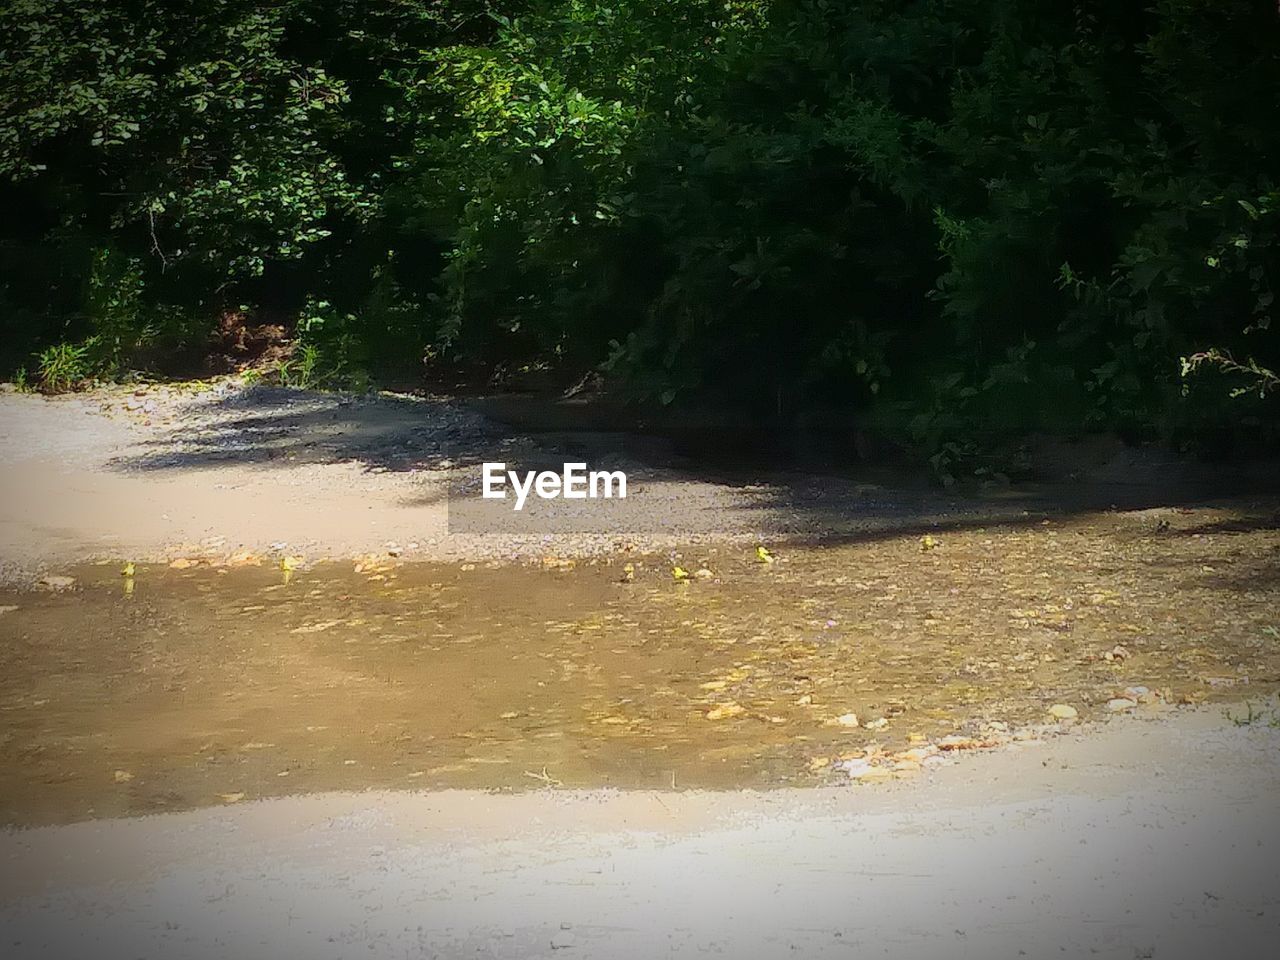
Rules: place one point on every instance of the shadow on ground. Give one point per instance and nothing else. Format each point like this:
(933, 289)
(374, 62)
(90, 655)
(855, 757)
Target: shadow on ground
(433, 437)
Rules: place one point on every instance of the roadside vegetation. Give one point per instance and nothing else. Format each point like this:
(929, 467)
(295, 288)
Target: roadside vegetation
(943, 225)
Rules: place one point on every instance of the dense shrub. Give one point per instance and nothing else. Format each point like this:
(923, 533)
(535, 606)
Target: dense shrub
(951, 220)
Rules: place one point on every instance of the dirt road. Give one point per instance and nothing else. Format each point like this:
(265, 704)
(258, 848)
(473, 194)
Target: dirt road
(211, 471)
(170, 471)
(1154, 838)
(201, 683)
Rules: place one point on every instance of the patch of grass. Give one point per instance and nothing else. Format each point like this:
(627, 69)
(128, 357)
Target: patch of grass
(312, 367)
(64, 366)
(301, 370)
(1256, 713)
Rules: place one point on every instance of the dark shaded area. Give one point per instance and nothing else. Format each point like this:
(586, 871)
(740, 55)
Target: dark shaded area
(837, 233)
(267, 425)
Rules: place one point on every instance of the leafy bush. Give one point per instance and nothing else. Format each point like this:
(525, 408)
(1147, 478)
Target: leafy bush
(64, 366)
(960, 221)
(302, 369)
(955, 221)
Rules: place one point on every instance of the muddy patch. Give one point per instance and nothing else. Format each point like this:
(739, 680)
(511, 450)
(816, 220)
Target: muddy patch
(173, 688)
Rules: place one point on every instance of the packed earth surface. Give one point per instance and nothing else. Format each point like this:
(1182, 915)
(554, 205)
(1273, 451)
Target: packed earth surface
(215, 595)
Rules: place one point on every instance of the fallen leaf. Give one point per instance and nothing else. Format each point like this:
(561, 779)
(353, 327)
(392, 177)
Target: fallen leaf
(726, 710)
(918, 754)
(956, 742)
(317, 627)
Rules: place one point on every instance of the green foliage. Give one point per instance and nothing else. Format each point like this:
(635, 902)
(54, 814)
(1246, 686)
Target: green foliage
(302, 370)
(964, 220)
(211, 141)
(954, 220)
(64, 366)
(200, 154)
(1257, 378)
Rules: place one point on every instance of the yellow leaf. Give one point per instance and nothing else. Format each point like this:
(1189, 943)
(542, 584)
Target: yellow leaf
(763, 555)
(127, 570)
(726, 710)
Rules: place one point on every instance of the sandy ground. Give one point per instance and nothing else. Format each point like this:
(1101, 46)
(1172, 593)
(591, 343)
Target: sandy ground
(170, 474)
(173, 474)
(164, 472)
(1152, 838)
